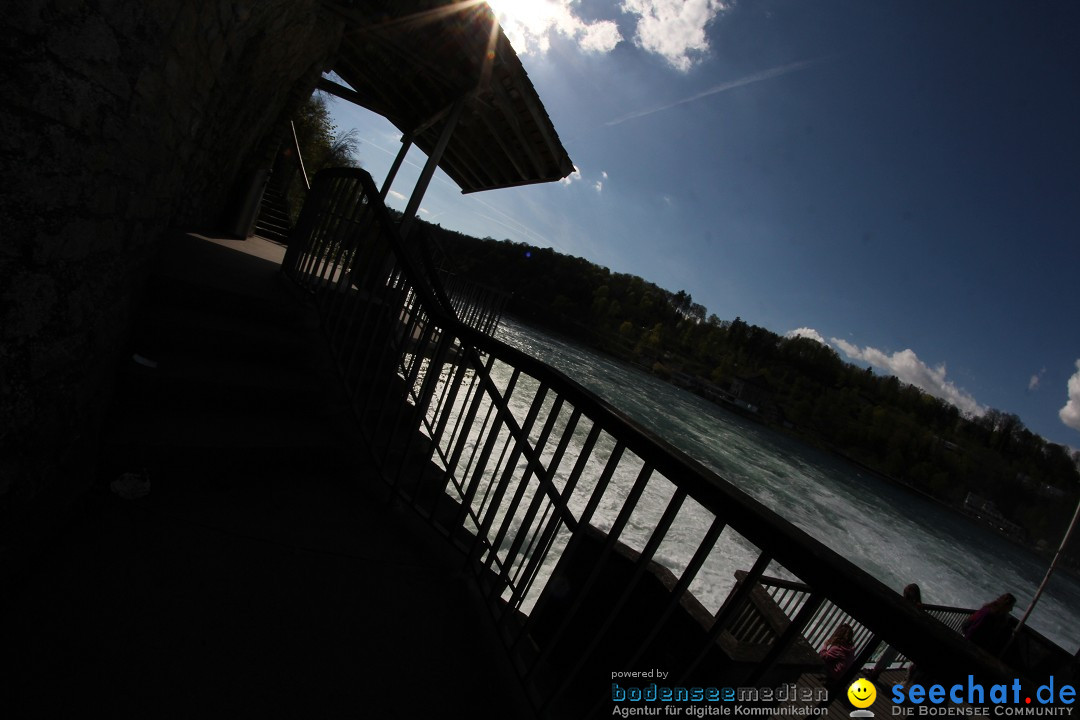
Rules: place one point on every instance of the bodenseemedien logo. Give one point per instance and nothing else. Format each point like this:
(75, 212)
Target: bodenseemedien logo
(862, 694)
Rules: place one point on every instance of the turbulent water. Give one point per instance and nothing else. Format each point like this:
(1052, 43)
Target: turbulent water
(893, 534)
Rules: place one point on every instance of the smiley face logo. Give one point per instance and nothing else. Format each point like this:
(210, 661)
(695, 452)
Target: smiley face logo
(862, 693)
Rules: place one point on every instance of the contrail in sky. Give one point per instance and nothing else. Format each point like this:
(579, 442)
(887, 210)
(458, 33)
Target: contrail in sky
(722, 87)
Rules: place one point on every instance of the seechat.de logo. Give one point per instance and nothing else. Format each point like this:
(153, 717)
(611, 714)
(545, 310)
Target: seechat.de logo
(862, 694)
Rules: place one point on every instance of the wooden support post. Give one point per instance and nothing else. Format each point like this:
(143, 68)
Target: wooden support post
(429, 169)
(406, 143)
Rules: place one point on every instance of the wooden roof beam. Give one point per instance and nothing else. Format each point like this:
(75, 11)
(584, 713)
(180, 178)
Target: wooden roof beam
(539, 119)
(505, 104)
(429, 168)
(466, 164)
(377, 105)
(510, 154)
(329, 86)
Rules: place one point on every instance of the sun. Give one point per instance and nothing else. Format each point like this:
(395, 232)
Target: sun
(533, 14)
(525, 20)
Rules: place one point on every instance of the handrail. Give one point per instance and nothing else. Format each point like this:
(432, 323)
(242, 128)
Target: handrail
(790, 595)
(527, 460)
(299, 156)
(478, 306)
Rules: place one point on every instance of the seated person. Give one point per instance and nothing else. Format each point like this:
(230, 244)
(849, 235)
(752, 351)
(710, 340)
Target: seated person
(838, 653)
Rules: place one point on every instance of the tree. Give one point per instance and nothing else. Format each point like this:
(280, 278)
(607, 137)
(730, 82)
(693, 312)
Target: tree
(321, 145)
(681, 301)
(343, 149)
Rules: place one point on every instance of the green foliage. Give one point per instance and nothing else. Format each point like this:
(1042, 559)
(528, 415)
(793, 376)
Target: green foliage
(321, 145)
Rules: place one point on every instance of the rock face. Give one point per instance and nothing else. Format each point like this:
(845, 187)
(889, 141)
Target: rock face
(120, 119)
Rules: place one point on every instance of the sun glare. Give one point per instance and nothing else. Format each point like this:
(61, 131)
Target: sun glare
(533, 14)
(521, 19)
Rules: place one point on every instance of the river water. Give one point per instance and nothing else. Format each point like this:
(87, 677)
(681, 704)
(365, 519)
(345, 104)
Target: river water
(892, 533)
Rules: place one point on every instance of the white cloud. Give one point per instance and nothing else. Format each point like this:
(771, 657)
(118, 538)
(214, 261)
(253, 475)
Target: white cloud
(598, 186)
(529, 25)
(674, 29)
(907, 366)
(1070, 414)
(601, 36)
(396, 194)
(576, 175)
(1033, 383)
(807, 333)
(603, 174)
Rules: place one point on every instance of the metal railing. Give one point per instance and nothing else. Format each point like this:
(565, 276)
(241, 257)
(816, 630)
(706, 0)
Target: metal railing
(515, 464)
(478, 306)
(790, 596)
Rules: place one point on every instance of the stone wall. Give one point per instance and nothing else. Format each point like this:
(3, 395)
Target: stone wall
(120, 119)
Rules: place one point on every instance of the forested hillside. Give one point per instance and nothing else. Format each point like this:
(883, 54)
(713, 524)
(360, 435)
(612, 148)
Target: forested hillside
(789, 382)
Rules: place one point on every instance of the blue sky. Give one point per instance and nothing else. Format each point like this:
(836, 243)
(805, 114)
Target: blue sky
(899, 180)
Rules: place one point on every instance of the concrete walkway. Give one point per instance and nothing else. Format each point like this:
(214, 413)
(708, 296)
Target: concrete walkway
(264, 575)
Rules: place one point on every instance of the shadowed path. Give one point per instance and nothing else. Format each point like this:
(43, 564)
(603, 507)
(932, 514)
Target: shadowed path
(265, 574)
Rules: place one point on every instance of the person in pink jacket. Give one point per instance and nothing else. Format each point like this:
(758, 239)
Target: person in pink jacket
(989, 626)
(838, 652)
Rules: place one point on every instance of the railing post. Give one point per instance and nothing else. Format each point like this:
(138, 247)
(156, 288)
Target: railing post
(406, 143)
(782, 643)
(735, 600)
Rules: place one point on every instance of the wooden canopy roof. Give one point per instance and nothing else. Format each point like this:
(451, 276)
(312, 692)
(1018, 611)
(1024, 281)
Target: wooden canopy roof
(412, 60)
